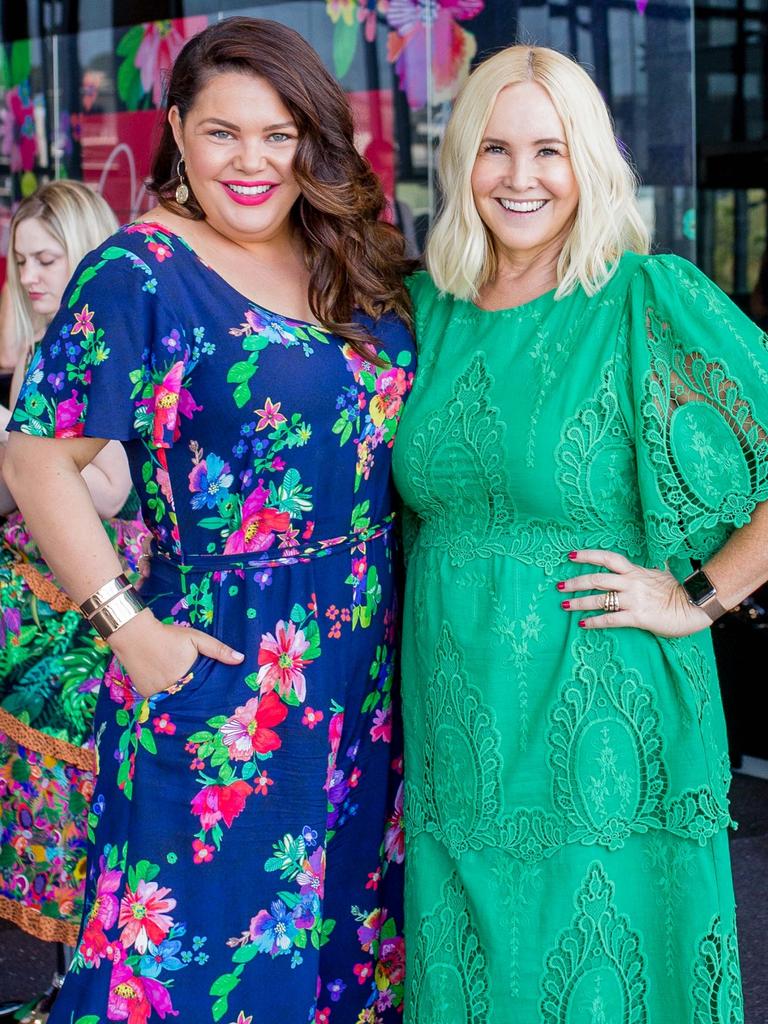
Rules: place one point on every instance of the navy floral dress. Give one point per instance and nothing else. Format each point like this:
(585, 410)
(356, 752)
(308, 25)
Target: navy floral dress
(245, 831)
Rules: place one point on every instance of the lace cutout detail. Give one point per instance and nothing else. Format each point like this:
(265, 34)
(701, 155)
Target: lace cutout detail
(596, 472)
(605, 748)
(459, 452)
(716, 987)
(459, 799)
(701, 813)
(709, 453)
(449, 970)
(597, 963)
(464, 446)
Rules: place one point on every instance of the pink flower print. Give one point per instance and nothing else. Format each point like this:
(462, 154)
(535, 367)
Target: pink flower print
(95, 946)
(68, 417)
(160, 250)
(382, 725)
(144, 915)
(311, 717)
(394, 837)
(163, 480)
(161, 45)
(280, 657)
(270, 415)
(363, 972)
(169, 399)
(163, 725)
(249, 731)
(262, 783)
(258, 524)
(311, 878)
(216, 803)
(390, 388)
(84, 322)
(105, 905)
(452, 47)
(134, 999)
(374, 877)
(120, 687)
(201, 852)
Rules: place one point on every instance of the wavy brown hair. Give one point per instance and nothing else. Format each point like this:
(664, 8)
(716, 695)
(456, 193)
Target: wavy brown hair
(356, 261)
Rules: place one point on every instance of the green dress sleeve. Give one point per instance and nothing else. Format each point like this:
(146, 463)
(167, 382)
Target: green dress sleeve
(699, 390)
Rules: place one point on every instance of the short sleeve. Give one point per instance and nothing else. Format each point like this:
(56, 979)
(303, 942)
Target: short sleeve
(699, 389)
(112, 362)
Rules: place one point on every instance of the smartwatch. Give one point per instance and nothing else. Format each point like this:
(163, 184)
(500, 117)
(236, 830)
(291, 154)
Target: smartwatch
(702, 593)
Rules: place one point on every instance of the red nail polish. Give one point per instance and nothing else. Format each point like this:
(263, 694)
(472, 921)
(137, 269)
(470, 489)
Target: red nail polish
(561, 585)
(565, 604)
(572, 554)
(582, 623)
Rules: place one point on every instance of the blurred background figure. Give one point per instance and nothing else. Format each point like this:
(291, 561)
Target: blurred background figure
(51, 662)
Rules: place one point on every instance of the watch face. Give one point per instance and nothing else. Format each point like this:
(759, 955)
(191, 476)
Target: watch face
(699, 588)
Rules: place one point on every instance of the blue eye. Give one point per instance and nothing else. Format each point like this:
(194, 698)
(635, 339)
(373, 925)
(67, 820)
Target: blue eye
(280, 137)
(220, 133)
(548, 151)
(493, 147)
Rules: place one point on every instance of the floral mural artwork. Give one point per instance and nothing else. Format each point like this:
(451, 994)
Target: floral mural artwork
(148, 53)
(453, 47)
(18, 137)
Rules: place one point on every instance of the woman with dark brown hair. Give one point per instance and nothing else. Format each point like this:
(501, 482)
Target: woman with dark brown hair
(245, 843)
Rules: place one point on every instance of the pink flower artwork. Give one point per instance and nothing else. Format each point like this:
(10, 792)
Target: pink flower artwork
(452, 46)
(281, 661)
(159, 48)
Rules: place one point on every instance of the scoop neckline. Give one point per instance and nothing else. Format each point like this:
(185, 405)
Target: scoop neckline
(264, 309)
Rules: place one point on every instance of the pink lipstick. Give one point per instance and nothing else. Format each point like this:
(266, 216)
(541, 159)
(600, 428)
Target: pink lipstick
(249, 193)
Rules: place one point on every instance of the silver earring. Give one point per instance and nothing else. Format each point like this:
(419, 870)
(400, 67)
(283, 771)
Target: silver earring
(182, 190)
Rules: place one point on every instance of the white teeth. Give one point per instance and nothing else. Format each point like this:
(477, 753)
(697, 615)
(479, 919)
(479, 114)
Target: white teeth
(249, 190)
(530, 207)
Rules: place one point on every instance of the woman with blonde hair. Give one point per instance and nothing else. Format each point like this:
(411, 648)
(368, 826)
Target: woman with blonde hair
(50, 661)
(579, 403)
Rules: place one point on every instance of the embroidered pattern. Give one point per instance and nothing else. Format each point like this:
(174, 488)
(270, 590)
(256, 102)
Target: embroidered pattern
(597, 962)
(449, 972)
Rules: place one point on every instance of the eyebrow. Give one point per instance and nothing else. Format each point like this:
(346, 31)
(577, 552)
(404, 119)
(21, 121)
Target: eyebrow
(40, 252)
(236, 127)
(538, 142)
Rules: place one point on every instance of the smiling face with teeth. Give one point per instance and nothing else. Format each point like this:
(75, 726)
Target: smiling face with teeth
(522, 181)
(239, 140)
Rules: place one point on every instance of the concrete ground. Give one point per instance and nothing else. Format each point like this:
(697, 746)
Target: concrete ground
(26, 964)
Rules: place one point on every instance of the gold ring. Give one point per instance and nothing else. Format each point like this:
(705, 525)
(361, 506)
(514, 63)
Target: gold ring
(611, 601)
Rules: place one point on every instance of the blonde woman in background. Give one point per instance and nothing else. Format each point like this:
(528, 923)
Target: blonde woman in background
(580, 406)
(51, 662)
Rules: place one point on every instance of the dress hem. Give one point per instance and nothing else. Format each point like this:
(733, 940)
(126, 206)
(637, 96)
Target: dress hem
(34, 923)
(41, 743)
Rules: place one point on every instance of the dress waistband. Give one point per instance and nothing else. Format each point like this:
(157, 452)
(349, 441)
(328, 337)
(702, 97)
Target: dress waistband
(186, 562)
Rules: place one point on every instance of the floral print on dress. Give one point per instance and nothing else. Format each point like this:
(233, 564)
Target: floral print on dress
(256, 809)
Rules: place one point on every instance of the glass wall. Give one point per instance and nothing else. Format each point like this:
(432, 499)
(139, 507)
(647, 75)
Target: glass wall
(80, 85)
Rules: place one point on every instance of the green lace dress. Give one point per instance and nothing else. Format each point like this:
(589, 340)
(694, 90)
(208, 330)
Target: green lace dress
(566, 798)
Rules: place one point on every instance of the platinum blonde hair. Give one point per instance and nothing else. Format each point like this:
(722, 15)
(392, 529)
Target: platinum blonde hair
(78, 218)
(461, 255)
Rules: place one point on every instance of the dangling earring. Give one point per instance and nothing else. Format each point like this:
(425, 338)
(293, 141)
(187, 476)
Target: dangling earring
(182, 191)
